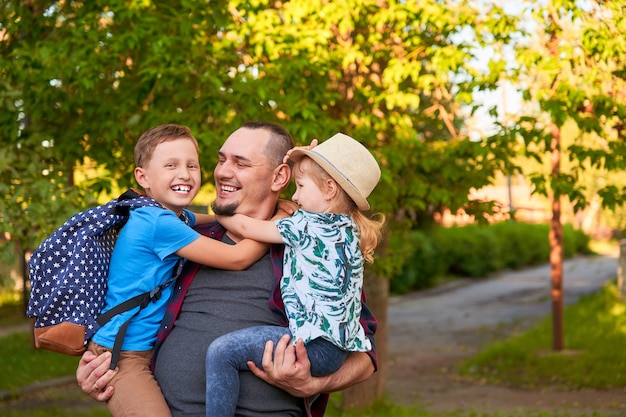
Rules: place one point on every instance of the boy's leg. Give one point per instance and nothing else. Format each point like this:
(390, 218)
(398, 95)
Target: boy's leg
(136, 391)
(226, 356)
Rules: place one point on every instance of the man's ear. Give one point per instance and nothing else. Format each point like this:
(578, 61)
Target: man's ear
(282, 175)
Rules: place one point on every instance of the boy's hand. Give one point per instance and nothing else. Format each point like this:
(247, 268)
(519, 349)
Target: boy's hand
(285, 209)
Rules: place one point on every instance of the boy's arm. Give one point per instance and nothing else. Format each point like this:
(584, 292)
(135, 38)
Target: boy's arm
(250, 228)
(221, 255)
(204, 218)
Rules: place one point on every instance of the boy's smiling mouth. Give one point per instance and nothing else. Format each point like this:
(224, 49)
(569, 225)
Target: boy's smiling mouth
(181, 188)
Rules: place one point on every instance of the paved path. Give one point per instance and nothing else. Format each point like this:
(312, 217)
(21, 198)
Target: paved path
(430, 331)
(507, 296)
(14, 329)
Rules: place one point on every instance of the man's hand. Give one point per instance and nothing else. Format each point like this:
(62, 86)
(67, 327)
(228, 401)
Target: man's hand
(93, 375)
(290, 369)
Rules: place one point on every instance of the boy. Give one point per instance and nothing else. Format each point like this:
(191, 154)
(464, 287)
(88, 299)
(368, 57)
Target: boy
(149, 246)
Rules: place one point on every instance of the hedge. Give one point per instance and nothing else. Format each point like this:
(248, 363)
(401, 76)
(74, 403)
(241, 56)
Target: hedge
(476, 251)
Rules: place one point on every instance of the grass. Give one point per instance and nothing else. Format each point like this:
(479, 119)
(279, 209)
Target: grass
(23, 365)
(595, 331)
(594, 356)
(11, 309)
(386, 409)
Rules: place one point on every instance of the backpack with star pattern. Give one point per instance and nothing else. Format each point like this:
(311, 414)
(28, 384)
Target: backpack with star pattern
(68, 275)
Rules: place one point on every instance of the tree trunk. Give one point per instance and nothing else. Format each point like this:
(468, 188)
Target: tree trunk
(556, 244)
(621, 269)
(556, 228)
(377, 292)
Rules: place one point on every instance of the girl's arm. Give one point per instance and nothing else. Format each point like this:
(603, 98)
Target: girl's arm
(251, 228)
(221, 255)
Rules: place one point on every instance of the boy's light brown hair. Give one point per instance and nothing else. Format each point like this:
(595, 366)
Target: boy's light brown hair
(151, 138)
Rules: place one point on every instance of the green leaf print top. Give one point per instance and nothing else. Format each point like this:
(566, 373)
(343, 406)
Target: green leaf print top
(323, 278)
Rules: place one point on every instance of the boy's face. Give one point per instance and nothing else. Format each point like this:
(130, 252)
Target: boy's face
(172, 176)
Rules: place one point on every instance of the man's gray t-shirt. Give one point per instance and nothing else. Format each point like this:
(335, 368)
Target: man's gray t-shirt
(217, 303)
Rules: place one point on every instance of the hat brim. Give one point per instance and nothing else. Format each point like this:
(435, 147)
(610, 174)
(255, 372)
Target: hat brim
(342, 180)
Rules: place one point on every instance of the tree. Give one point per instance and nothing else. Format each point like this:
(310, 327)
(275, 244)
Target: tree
(81, 81)
(571, 68)
(396, 75)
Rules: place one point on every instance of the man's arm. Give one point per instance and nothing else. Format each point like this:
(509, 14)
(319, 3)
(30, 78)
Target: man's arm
(356, 369)
(290, 370)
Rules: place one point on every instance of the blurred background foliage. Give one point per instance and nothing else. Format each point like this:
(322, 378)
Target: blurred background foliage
(449, 95)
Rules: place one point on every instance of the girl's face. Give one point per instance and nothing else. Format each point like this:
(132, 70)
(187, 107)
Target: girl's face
(308, 194)
(172, 176)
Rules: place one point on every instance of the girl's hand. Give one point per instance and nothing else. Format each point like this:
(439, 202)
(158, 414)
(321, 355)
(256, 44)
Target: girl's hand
(306, 148)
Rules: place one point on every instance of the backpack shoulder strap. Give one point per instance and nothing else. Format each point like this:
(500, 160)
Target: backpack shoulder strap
(127, 201)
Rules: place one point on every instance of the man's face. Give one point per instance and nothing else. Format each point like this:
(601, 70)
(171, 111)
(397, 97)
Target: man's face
(243, 177)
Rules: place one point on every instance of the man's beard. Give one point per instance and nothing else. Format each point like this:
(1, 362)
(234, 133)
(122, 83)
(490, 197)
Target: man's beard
(224, 210)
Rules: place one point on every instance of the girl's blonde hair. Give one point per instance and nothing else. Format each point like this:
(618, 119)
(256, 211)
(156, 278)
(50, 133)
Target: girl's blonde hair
(370, 228)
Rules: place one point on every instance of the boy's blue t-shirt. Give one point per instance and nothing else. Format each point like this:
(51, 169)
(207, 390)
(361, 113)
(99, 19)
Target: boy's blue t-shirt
(143, 258)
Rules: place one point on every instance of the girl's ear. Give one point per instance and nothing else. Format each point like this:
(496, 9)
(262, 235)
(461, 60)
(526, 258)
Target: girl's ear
(332, 189)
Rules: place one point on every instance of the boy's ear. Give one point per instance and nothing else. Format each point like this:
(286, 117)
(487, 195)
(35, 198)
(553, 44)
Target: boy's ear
(282, 175)
(141, 179)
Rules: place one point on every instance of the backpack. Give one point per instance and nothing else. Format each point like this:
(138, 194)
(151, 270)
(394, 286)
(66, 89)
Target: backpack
(68, 275)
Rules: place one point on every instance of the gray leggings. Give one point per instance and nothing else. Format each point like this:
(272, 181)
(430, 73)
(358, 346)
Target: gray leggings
(229, 354)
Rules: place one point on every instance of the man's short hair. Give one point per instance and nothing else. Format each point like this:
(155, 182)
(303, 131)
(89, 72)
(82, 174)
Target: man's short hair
(280, 141)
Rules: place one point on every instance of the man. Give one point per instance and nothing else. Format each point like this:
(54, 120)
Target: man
(249, 177)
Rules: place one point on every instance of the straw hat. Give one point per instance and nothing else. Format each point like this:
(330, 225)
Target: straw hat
(347, 162)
